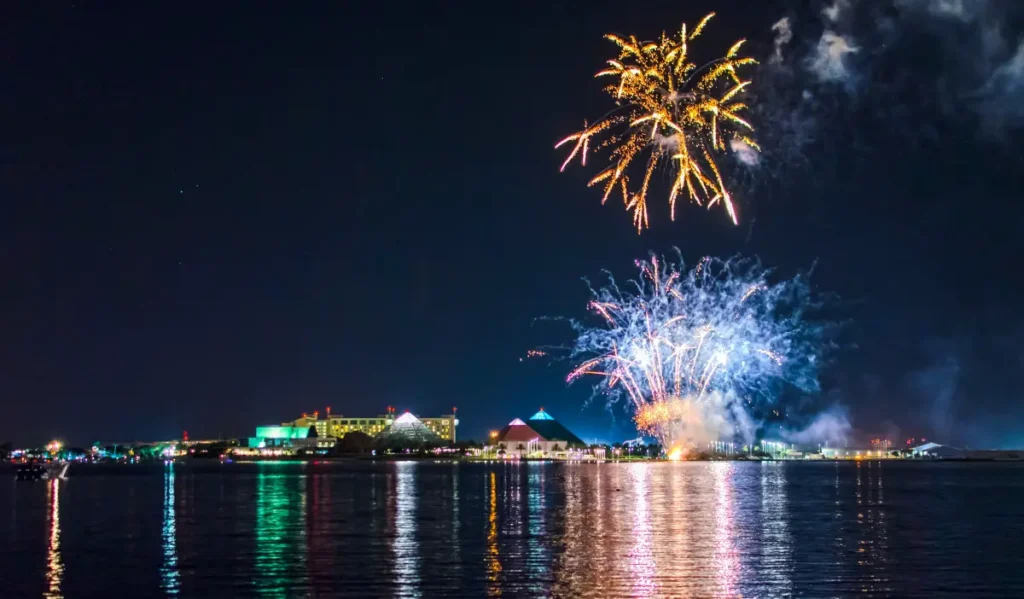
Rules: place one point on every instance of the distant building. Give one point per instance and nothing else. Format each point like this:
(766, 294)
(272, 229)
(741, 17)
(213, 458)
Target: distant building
(307, 421)
(337, 425)
(551, 429)
(935, 450)
(407, 432)
(854, 453)
(285, 440)
(443, 426)
(281, 433)
(542, 436)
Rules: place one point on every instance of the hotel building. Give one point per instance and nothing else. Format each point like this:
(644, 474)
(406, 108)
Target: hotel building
(337, 425)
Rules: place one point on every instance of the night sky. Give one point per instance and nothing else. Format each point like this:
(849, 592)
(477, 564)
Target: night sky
(220, 215)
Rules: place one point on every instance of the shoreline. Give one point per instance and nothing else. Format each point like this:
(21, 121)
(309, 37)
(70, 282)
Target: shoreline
(12, 466)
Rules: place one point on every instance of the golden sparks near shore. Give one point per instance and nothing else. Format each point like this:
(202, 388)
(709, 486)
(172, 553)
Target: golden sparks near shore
(673, 112)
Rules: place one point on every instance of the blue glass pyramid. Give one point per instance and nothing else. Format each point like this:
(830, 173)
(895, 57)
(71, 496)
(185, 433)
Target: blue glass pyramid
(550, 430)
(541, 415)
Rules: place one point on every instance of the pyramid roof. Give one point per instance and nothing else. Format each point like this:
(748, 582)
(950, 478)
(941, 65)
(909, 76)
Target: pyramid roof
(552, 430)
(406, 431)
(518, 431)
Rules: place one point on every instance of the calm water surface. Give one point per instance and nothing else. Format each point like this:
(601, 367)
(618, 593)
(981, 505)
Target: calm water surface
(416, 529)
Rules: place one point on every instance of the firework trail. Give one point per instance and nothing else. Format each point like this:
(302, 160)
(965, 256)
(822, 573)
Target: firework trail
(671, 111)
(680, 344)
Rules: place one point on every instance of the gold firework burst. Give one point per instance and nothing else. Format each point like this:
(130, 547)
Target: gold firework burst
(671, 111)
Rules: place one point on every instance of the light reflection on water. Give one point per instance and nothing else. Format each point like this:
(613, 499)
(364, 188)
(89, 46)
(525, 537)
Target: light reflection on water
(169, 570)
(54, 563)
(406, 546)
(726, 561)
(539, 564)
(575, 555)
(641, 559)
(279, 531)
(493, 554)
(421, 529)
(777, 544)
(872, 542)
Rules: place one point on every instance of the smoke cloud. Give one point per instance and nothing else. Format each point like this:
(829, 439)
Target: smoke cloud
(712, 417)
(830, 426)
(828, 61)
(936, 386)
(834, 11)
(744, 153)
(963, 58)
(724, 417)
(783, 35)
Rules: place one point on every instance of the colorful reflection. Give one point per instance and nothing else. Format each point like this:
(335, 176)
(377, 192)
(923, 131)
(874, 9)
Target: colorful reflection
(539, 566)
(641, 560)
(280, 534)
(572, 567)
(679, 522)
(873, 541)
(406, 547)
(514, 541)
(54, 561)
(776, 541)
(493, 561)
(456, 523)
(169, 580)
(726, 558)
(456, 526)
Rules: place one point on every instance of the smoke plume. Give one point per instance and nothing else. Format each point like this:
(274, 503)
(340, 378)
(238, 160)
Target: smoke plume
(830, 426)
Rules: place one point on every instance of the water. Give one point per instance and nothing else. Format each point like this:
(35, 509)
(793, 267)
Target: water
(416, 529)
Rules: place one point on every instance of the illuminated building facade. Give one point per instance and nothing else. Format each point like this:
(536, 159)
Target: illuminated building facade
(336, 425)
(540, 436)
(443, 426)
(285, 439)
(307, 421)
(853, 453)
(407, 431)
(339, 426)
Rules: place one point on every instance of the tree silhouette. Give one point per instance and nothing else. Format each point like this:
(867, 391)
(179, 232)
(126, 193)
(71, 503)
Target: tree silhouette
(355, 442)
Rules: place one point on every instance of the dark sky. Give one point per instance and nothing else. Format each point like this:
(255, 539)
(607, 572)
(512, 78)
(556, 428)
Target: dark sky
(218, 215)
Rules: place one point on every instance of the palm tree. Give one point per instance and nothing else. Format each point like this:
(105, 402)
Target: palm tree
(556, 448)
(520, 448)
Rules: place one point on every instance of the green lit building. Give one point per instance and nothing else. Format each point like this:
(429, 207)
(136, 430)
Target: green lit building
(288, 438)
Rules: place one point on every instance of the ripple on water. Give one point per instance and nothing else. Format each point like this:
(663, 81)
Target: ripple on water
(417, 529)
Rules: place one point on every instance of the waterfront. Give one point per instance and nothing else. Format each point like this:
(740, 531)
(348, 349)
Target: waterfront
(474, 529)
